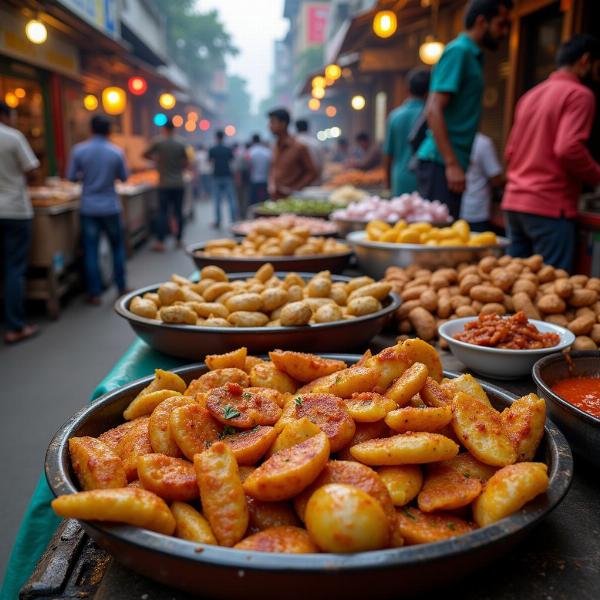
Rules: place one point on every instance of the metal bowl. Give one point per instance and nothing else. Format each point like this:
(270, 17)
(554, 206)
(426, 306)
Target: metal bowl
(375, 257)
(581, 428)
(501, 363)
(238, 230)
(335, 263)
(194, 342)
(346, 226)
(215, 572)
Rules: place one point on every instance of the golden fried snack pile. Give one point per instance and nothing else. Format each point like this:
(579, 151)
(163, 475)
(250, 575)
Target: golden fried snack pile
(303, 454)
(260, 301)
(498, 286)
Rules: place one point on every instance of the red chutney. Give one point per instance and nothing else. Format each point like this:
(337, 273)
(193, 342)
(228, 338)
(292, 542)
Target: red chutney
(582, 392)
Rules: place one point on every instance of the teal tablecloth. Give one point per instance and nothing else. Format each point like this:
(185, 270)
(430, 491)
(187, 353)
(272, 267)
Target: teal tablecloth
(40, 522)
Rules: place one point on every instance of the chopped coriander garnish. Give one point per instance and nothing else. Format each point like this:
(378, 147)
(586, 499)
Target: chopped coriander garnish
(246, 395)
(230, 412)
(298, 401)
(409, 514)
(207, 444)
(227, 430)
(467, 474)
(451, 525)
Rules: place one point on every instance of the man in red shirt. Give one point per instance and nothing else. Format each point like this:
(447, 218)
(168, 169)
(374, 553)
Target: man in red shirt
(547, 157)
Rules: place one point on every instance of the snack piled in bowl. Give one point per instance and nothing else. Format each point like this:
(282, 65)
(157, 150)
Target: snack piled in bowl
(274, 242)
(288, 222)
(298, 206)
(502, 286)
(301, 454)
(511, 333)
(358, 178)
(456, 235)
(263, 300)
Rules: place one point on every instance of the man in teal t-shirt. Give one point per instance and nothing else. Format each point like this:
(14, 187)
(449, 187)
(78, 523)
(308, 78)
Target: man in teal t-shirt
(397, 149)
(454, 103)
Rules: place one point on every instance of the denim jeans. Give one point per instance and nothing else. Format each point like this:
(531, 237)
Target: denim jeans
(432, 185)
(258, 192)
(16, 238)
(170, 199)
(91, 229)
(553, 238)
(223, 186)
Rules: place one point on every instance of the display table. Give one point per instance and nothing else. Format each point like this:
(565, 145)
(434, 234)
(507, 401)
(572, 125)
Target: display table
(136, 201)
(559, 560)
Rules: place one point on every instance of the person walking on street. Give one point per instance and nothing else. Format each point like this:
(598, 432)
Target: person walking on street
(203, 170)
(221, 157)
(314, 146)
(484, 173)
(548, 159)
(398, 150)
(16, 213)
(260, 163)
(171, 155)
(453, 107)
(292, 168)
(97, 164)
(369, 154)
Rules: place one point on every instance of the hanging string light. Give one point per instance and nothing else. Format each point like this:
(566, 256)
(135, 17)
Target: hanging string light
(36, 31)
(90, 102)
(358, 102)
(114, 100)
(385, 23)
(167, 101)
(333, 72)
(431, 49)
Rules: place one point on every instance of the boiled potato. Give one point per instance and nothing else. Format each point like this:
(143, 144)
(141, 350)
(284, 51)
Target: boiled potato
(223, 499)
(191, 525)
(447, 489)
(129, 505)
(362, 305)
(158, 427)
(95, 464)
(230, 360)
(210, 309)
(405, 449)
(368, 407)
(417, 527)
(217, 378)
(295, 314)
(144, 405)
(410, 418)
(523, 423)
(479, 428)
(289, 471)
(249, 446)
(168, 477)
(408, 384)
(267, 375)
(344, 518)
(403, 482)
(178, 314)
(169, 292)
(213, 272)
(245, 318)
(508, 490)
(293, 432)
(305, 367)
(143, 307)
(193, 429)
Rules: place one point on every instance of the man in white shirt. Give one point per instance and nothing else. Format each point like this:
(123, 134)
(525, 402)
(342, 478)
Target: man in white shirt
(484, 173)
(314, 146)
(203, 172)
(260, 157)
(16, 214)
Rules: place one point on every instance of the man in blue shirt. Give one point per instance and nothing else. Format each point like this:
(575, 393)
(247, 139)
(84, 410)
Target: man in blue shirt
(97, 164)
(397, 149)
(454, 105)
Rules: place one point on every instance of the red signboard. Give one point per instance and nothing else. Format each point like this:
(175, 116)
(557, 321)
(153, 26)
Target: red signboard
(317, 16)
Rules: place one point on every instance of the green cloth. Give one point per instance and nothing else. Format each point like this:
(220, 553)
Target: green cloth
(399, 126)
(40, 522)
(459, 72)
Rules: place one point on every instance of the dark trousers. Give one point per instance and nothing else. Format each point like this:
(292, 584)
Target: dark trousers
(553, 238)
(480, 225)
(258, 192)
(224, 187)
(432, 185)
(91, 229)
(170, 199)
(16, 238)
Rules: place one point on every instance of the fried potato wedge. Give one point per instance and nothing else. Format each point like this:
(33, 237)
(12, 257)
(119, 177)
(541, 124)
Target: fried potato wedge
(479, 428)
(405, 449)
(403, 482)
(285, 538)
(410, 418)
(294, 432)
(468, 466)
(350, 473)
(343, 383)
(264, 515)
(129, 505)
(168, 477)
(113, 436)
(523, 423)
(419, 351)
(305, 367)
(468, 384)
(249, 446)
(432, 394)
(251, 362)
(144, 405)
(217, 378)
(508, 490)
(164, 380)
(135, 443)
(223, 499)
(364, 358)
(330, 414)
(267, 375)
(278, 397)
(447, 489)
(235, 406)
(193, 429)
(95, 464)
(408, 384)
(230, 360)
(191, 525)
(288, 472)
(364, 432)
(389, 364)
(368, 407)
(418, 527)
(159, 429)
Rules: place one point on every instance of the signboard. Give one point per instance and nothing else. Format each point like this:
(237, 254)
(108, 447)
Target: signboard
(102, 14)
(317, 17)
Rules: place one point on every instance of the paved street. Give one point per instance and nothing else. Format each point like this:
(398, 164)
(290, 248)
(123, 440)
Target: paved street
(47, 379)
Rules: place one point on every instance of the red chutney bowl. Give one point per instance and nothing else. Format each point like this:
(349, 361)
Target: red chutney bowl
(581, 428)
